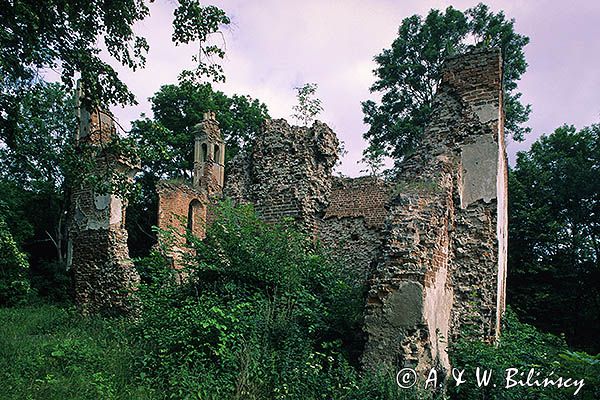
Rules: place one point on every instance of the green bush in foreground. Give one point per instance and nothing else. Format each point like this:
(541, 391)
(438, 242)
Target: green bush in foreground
(14, 283)
(263, 314)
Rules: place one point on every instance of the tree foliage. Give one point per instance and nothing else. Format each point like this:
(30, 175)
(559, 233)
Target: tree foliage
(409, 72)
(38, 157)
(166, 141)
(309, 106)
(34, 155)
(63, 35)
(36, 160)
(554, 235)
(522, 346)
(77, 40)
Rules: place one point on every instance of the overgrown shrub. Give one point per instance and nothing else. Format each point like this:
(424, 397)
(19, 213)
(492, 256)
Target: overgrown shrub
(14, 282)
(263, 314)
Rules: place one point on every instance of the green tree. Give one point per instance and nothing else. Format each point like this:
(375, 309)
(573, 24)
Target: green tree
(522, 346)
(309, 106)
(409, 73)
(63, 35)
(554, 235)
(37, 158)
(35, 165)
(166, 142)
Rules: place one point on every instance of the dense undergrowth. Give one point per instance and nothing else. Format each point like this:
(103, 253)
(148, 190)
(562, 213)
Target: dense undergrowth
(523, 347)
(262, 313)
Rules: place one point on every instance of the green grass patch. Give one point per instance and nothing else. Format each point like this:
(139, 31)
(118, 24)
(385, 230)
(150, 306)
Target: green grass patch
(48, 352)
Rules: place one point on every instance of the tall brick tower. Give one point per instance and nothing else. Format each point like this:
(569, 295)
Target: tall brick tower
(183, 207)
(442, 270)
(209, 156)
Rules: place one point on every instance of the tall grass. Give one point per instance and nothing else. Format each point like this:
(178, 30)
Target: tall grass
(47, 352)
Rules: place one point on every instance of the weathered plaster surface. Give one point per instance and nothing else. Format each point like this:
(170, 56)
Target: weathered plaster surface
(104, 276)
(479, 162)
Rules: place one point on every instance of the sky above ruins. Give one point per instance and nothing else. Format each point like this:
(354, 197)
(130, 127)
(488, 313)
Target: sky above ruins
(273, 46)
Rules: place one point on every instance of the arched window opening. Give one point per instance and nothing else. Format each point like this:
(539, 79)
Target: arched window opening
(217, 158)
(193, 219)
(204, 152)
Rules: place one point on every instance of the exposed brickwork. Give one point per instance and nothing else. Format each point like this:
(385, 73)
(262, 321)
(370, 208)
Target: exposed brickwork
(209, 156)
(364, 197)
(352, 226)
(182, 206)
(287, 174)
(352, 243)
(104, 276)
(430, 244)
(177, 202)
(442, 262)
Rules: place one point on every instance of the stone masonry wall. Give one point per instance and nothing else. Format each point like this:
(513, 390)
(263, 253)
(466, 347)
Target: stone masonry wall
(287, 173)
(441, 269)
(352, 226)
(480, 239)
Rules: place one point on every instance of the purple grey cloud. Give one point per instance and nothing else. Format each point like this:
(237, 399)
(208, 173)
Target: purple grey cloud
(273, 46)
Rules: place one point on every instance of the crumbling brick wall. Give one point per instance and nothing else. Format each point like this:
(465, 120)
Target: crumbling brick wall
(442, 266)
(185, 206)
(287, 173)
(181, 207)
(432, 244)
(352, 226)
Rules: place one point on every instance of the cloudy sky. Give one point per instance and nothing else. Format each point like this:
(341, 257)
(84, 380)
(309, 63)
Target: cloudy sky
(273, 46)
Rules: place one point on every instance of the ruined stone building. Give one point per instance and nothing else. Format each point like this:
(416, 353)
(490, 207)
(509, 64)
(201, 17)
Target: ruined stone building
(183, 207)
(430, 244)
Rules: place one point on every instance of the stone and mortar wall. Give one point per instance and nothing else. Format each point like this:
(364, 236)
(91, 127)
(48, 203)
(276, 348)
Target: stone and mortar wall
(480, 240)
(104, 276)
(352, 226)
(287, 173)
(442, 265)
